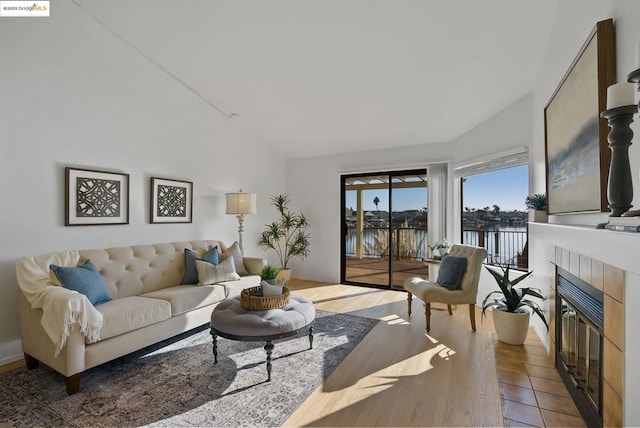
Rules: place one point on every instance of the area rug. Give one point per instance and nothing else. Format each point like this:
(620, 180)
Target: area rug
(176, 383)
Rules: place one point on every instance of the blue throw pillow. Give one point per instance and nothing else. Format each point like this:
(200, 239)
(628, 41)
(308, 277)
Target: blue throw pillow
(84, 279)
(451, 271)
(190, 257)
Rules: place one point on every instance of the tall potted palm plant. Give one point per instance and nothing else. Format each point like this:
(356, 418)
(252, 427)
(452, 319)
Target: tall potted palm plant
(511, 310)
(287, 235)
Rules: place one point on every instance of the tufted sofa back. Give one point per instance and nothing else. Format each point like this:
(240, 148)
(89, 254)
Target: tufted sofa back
(140, 269)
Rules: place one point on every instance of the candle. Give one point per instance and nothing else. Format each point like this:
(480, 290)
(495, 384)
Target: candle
(620, 94)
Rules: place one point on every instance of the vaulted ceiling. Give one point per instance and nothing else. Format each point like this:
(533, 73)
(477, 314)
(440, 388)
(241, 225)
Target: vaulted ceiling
(316, 77)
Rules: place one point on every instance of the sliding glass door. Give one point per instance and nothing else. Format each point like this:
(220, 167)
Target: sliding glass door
(384, 222)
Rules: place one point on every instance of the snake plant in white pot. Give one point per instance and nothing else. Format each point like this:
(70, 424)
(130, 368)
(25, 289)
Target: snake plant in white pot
(511, 310)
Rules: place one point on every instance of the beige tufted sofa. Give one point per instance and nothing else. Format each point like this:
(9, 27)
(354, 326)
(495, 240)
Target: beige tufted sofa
(149, 304)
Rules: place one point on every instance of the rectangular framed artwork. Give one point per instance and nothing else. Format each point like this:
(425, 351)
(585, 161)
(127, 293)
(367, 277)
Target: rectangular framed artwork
(576, 150)
(96, 197)
(171, 201)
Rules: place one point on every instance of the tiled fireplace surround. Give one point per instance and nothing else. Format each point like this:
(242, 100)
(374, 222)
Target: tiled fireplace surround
(610, 261)
(611, 281)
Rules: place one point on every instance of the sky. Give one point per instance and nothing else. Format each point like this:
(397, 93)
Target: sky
(506, 188)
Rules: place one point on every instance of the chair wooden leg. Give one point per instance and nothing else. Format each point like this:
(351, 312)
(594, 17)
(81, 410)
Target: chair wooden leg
(73, 383)
(409, 300)
(427, 313)
(472, 316)
(449, 309)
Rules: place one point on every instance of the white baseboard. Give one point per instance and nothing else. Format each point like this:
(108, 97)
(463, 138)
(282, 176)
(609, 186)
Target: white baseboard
(544, 338)
(10, 352)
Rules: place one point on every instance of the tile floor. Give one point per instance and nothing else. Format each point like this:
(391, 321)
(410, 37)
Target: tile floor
(531, 390)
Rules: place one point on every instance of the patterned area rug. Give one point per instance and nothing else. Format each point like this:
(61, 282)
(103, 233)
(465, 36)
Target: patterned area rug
(175, 383)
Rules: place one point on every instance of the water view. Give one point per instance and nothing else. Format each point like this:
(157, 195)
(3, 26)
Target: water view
(504, 244)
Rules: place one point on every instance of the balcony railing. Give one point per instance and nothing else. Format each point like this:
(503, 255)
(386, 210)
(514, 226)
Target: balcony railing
(408, 242)
(503, 246)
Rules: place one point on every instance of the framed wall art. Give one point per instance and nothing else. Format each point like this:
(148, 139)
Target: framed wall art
(95, 197)
(171, 201)
(576, 150)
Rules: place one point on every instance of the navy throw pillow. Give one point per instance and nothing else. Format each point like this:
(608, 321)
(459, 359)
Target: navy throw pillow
(190, 257)
(451, 271)
(84, 279)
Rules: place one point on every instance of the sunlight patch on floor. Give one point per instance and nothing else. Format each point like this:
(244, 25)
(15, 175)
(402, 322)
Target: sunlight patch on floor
(394, 320)
(384, 379)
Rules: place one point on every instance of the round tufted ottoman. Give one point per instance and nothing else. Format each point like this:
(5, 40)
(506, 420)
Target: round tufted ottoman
(231, 321)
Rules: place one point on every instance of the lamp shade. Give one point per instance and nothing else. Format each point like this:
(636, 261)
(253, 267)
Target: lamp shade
(241, 203)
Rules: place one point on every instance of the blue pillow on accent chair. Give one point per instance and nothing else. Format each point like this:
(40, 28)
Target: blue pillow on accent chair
(84, 279)
(451, 271)
(190, 257)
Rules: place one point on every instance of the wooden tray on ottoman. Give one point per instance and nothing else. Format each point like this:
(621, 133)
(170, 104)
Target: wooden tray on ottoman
(253, 300)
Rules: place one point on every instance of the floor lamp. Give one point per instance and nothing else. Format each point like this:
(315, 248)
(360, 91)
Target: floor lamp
(241, 204)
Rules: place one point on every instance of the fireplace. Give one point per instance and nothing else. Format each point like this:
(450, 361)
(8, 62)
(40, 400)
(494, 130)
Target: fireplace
(579, 350)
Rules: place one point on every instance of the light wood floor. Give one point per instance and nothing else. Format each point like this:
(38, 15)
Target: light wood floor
(400, 376)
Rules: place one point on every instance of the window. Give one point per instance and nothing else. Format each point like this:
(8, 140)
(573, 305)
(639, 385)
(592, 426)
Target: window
(494, 215)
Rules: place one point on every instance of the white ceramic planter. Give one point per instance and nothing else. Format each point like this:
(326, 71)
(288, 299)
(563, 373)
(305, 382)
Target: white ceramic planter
(511, 328)
(538, 216)
(271, 289)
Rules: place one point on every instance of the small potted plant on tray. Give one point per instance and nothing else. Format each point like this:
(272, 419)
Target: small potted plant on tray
(511, 310)
(270, 284)
(269, 273)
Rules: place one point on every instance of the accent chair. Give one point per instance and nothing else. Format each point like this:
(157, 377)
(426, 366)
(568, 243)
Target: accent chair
(433, 292)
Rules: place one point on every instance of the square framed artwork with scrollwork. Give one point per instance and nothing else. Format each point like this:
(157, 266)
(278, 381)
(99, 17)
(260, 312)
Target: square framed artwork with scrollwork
(171, 201)
(96, 197)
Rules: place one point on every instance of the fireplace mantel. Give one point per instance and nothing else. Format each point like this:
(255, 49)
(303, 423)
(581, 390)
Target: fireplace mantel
(609, 261)
(619, 249)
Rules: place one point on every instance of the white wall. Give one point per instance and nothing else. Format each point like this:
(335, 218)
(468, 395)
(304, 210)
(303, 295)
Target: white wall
(72, 94)
(314, 183)
(572, 24)
(574, 21)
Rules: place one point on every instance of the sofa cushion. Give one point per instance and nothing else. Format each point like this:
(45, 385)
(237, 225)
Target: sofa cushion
(238, 258)
(190, 257)
(211, 274)
(131, 313)
(234, 288)
(184, 298)
(84, 279)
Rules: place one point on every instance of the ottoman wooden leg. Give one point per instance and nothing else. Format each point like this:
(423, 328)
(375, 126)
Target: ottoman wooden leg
(269, 348)
(215, 347)
(311, 337)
